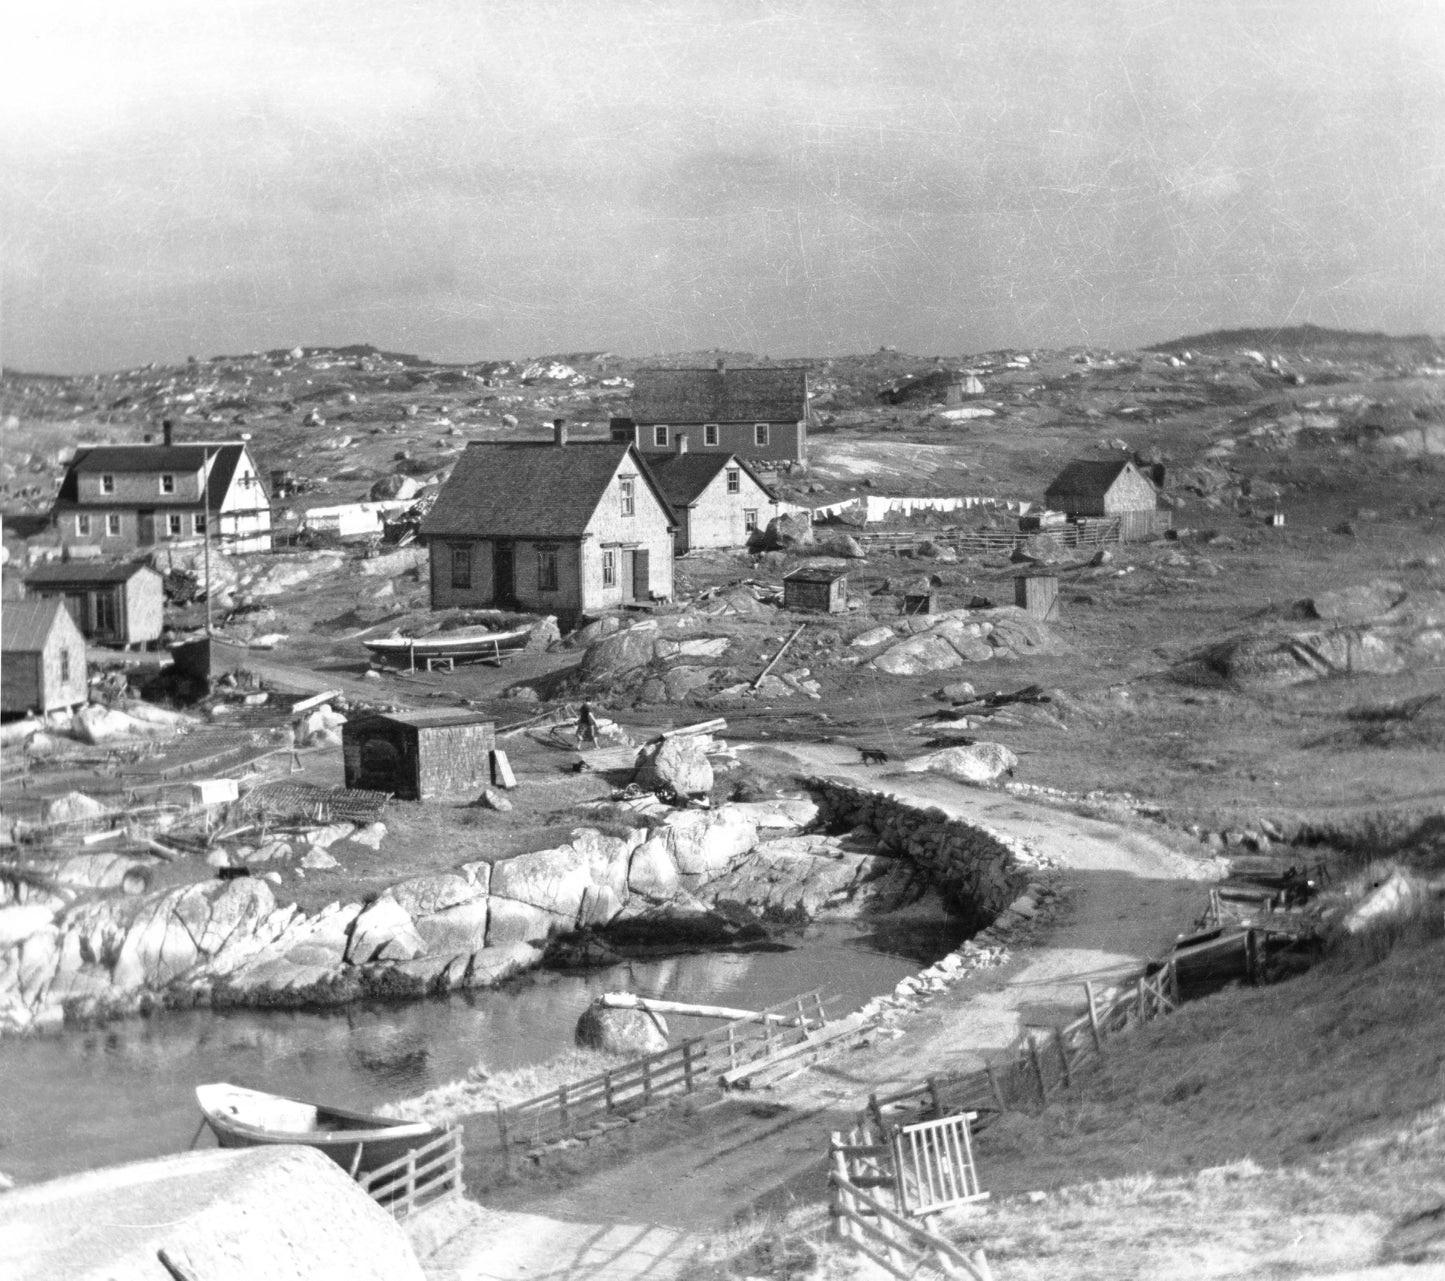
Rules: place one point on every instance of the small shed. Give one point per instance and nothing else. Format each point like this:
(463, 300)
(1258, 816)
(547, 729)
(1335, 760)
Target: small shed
(42, 657)
(417, 755)
(121, 604)
(1039, 594)
(816, 590)
(1116, 489)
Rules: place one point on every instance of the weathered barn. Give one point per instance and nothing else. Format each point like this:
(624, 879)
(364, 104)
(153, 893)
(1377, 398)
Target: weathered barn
(817, 590)
(417, 755)
(1110, 489)
(556, 528)
(760, 414)
(42, 657)
(111, 604)
(717, 498)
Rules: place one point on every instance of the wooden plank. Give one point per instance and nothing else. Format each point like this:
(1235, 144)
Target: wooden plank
(631, 1001)
(502, 775)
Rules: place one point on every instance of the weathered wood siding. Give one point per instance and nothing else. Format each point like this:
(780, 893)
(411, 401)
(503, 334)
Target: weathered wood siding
(38, 681)
(718, 518)
(140, 488)
(610, 530)
(1131, 492)
(787, 442)
(453, 758)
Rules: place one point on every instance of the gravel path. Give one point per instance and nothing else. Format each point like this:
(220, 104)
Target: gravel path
(1131, 894)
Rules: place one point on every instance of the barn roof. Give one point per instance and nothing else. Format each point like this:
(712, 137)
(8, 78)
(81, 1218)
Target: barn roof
(772, 395)
(430, 718)
(683, 478)
(156, 459)
(530, 489)
(25, 624)
(80, 572)
(1088, 476)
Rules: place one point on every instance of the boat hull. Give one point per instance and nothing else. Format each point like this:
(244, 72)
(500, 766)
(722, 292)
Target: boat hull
(406, 647)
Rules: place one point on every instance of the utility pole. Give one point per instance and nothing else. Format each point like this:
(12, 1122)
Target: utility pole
(206, 509)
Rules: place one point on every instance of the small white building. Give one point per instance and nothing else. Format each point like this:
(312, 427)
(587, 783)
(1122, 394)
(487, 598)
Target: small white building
(719, 500)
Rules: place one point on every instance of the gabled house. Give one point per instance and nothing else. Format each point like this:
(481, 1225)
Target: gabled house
(111, 604)
(717, 498)
(124, 497)
(759, 414)
(42, 657)
(550, 527)
(1112, 490)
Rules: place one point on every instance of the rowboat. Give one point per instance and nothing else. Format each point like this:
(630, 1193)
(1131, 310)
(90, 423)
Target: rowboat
(242, 1118)
(460, 644)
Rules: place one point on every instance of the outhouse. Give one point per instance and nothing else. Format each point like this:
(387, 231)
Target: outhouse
(417, 755)
(816, 590)
(42, 657)
(120, 604)
(1039, 594)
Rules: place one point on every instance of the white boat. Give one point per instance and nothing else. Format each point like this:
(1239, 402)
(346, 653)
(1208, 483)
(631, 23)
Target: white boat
(461, 644)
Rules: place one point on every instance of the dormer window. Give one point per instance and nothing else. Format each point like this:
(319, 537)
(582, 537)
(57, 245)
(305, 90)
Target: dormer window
(168, 483)
(107, 484)
(659, 435)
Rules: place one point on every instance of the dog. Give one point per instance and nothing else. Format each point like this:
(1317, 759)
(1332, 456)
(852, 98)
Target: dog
(874, 755)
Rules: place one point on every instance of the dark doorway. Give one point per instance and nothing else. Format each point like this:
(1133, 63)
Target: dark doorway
(146, 528)
(640, 586)
(504, 571)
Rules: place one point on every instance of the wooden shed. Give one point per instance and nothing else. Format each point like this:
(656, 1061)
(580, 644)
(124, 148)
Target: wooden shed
(1037, 593)
(120, 604)
(816, 590)
(42, 657)
(417, 755)
(1113, 489)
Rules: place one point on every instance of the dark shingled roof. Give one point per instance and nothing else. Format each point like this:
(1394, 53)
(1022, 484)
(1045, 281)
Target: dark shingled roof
(530, 489)
(431, 718)
(68, 572)
(1087, 476)
(24, 624)
(684, 477)
(157, 459)
(772, 395)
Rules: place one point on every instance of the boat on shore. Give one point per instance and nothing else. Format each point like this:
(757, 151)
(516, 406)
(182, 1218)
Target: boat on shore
(242, 1118)
(456, 645)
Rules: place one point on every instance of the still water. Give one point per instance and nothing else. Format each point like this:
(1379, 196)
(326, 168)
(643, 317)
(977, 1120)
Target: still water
(121, 1092)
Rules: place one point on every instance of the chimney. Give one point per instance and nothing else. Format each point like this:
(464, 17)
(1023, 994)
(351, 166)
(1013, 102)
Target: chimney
(168, 432)
(722, 364)
(559, 432)
(682, 442)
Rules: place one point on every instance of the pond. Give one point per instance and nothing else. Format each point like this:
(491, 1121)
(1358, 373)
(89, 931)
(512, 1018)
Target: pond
(91, 1097)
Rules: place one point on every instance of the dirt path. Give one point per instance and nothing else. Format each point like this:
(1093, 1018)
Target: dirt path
(1130, 894)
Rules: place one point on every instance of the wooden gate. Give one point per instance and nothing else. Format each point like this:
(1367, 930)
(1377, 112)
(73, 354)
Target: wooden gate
(933, 1165)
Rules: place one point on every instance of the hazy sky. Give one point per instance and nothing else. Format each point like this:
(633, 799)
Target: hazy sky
(473, 179)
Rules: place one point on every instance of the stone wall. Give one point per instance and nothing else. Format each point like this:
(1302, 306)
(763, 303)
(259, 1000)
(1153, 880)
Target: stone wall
(979, 871)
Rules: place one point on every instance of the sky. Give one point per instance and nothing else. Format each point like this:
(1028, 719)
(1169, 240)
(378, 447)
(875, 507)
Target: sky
(475, 180)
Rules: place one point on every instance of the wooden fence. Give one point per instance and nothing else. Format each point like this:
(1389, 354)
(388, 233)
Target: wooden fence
(425, 1175)
(1086, 533)
(893, 1242)
(606, 1099)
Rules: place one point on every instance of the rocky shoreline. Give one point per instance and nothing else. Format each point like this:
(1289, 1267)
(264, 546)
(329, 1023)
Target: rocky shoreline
(689, 878)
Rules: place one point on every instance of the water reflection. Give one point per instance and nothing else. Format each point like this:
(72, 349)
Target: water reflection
(123, 1092)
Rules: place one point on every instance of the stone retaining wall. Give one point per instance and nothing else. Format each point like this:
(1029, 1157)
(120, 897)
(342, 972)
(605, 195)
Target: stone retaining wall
(981, 871)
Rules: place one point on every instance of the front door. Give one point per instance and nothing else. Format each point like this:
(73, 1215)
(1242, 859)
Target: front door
(146, 528)
(504, 570)
(638, 588)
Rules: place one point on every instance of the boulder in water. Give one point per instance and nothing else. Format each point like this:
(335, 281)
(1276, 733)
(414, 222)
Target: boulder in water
(629, 1032)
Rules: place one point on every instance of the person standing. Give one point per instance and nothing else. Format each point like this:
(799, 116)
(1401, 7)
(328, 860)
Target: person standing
(586, 726)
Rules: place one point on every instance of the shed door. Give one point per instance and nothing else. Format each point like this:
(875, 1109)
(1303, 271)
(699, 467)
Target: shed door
(380, 764)
(146, 527)
(107, 616)
(640, 586)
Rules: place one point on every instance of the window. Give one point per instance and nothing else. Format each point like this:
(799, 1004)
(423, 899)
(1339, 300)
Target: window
(609, 569)
(709, 433)
(546, 569)
(626, 487)
(462, 568)
(750, 519)
(735, 478)
(760, 433)
(82, 526)
(173, 525)
(65, 664)
(107, 484)
(112, 525)
(198, 523)
(168, 483)
(659, 435)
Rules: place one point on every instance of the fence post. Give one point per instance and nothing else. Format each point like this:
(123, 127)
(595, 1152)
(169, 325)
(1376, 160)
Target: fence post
(409, 1201)
(647, 1080)
(687, 1067)
(506, 1139)
(994, 1086)
(1063, 1057)
(937, 1097)
(1139, 998)
(1094, 1019)
(1039, 1071)
(732, 1047)
(562, 1105)
(607, 1088)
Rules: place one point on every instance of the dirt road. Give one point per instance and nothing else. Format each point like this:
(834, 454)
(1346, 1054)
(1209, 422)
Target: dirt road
(1130, 894)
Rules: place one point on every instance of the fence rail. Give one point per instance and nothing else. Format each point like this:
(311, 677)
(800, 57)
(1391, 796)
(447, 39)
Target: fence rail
(895, 1244)
(425, 1175)
(1085, 533)
(679, 1069)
